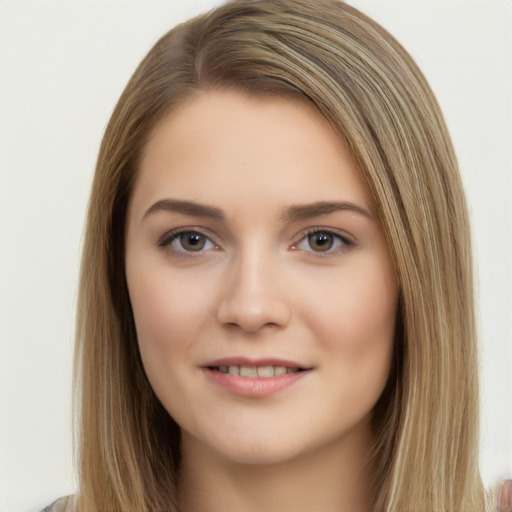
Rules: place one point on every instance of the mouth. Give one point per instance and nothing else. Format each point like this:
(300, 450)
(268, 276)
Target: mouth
(254, 379)
(262, 371)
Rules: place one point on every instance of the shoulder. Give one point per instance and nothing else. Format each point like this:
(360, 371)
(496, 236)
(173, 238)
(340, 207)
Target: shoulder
(64, 504)
(504, 496)
(499, 498)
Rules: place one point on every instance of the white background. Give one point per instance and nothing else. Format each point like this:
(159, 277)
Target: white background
(64, 64)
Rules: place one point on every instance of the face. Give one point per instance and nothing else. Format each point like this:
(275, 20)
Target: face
(262, 289)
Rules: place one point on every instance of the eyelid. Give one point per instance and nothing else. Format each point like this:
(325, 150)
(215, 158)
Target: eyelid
(168, 237)
(346, 240)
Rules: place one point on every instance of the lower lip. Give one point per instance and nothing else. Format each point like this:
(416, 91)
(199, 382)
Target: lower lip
(253, 387)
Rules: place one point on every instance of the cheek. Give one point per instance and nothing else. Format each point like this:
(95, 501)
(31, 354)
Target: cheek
(172, 312)
(354, 317)
(164, 330)
(154, 309)
(167, 310)
(167, 322)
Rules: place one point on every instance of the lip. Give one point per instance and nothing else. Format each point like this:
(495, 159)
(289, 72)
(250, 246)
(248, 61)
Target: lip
(253, 387)
(246, 361)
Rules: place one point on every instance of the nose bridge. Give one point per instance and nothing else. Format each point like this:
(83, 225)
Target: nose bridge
(252, 295)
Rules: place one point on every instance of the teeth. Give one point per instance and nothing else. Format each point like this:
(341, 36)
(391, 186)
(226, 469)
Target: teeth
(248, 371)
(257, 371)
(234, 370)
(265, 371)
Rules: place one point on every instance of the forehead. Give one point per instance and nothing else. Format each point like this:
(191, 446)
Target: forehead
(227, 146)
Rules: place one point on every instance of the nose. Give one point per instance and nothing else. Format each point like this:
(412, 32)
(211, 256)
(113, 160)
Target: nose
(254, 295)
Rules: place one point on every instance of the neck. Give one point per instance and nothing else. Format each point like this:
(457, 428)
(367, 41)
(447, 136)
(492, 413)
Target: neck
(334, 478)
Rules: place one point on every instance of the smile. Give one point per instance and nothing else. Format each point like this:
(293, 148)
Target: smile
(254, 379)
(256, 371)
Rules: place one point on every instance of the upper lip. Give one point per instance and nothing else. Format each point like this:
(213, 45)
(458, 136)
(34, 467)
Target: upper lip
(245, 361)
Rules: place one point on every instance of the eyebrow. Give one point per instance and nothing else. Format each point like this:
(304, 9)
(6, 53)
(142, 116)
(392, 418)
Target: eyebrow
(305, 211)
(188, 208)
(292, 213)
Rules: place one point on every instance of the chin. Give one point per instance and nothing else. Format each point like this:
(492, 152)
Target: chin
(247, 449)
(259, 454)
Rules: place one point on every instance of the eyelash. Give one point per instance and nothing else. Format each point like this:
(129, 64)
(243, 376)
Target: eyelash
(168, 238)
(343, 241)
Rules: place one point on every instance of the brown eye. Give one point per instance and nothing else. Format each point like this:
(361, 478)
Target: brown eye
(321, 241)
(324, 242)
(192, 241)
(186, 241)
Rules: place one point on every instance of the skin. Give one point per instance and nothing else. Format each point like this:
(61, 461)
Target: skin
(261, 287)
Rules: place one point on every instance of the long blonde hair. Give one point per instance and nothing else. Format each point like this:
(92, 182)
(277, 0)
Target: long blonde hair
(370, 90)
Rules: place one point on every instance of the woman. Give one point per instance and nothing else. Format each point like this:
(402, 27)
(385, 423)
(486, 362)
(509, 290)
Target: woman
(258, 152)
